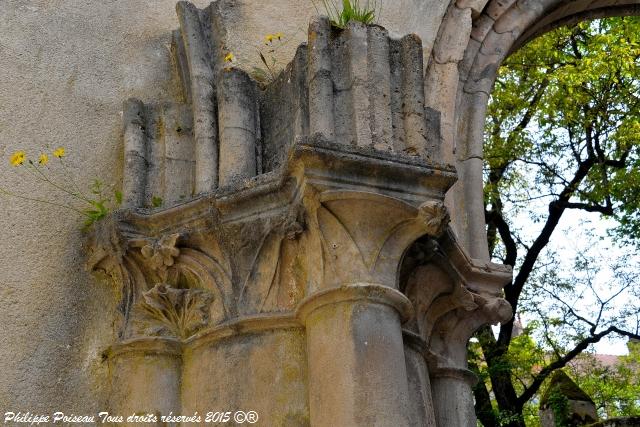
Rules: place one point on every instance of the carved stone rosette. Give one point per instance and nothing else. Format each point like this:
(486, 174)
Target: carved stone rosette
(303, 249)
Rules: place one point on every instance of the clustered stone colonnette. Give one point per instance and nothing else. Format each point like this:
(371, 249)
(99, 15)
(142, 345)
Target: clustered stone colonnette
(304, 248)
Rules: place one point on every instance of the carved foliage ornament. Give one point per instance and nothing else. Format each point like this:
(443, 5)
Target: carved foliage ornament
(435, 217)
(161, 253)
(166, 311)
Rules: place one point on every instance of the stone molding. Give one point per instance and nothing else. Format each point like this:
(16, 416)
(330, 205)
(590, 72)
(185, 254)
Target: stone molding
(370, 293)
(245, 325)
(315, 210)
(464, 375)
(145, 346)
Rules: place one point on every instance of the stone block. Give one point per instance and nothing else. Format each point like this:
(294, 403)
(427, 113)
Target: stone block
(481, 27)
(476, 6)
(453, 35)
(496, 8)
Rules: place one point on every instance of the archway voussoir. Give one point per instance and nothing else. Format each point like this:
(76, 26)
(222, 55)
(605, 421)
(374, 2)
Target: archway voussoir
(481, 26)
(454, 36)
(476, 6)
(496, 8)
(519, 17)
(464, 66)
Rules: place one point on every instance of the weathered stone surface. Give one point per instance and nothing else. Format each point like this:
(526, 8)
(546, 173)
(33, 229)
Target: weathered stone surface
(453, 296)
(464, 66)
(179, 155)
(495, 8)
(199, 56)
(453, 35)
(166, 311)
(481, 26)
(268, 359)
(238, 124)
(470, 170)
(315, 245)
(476, 6)
(413, 102)
(134, 182)
(321, 115)
(518, 18)
(580, 407)
(442, 83)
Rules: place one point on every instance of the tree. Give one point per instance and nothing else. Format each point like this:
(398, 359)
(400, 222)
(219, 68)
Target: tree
(614, 388)
(562, 133)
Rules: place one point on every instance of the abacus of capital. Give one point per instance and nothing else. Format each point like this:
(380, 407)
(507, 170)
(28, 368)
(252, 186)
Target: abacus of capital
(302, 265)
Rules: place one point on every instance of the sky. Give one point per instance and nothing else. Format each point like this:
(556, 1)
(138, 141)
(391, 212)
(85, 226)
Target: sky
(587, 234)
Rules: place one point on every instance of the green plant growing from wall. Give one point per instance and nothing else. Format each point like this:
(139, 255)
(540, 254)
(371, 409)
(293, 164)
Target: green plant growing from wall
(559, 404)
(351, 11)
(93, 204)
(268, 53)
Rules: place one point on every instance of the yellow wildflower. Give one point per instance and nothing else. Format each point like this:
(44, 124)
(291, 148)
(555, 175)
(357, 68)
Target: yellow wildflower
(278, 35)
(18, 158)
(43, 159)
(229, 57)
(269, 38)
(59, 152)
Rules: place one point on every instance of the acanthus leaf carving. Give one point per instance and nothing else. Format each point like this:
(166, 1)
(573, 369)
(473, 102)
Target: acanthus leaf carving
(435, 217)
(161, 253)
(167, 311)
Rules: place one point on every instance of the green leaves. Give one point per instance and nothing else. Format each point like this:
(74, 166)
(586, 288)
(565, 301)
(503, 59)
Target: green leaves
(363, 11)
(570, 98)
(100, 204)
(156, 201)
(562, 138)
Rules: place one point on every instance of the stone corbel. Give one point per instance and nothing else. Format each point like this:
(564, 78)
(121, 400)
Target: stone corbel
(453, 296)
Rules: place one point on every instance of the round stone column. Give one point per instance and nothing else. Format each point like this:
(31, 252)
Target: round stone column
(453, 397)
(357, 372)
(145, 377)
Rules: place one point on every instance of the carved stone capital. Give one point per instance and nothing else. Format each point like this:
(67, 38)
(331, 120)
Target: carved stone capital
(281, 204)
(453, 296)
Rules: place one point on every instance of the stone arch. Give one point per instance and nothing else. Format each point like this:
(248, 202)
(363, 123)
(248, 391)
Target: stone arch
(501, 27)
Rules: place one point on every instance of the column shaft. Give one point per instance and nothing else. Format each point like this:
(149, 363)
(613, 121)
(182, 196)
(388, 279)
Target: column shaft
(357, 372)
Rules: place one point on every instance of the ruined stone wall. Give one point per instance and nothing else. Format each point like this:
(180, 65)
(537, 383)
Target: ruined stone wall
(65, 68)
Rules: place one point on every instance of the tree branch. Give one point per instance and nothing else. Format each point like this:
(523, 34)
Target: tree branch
(563, 361)
(605, 210)
(514, 289)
